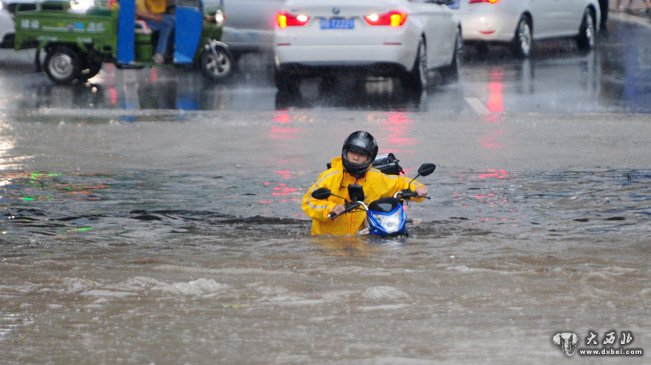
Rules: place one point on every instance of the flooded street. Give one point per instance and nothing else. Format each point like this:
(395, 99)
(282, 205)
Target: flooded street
(178, 238)
(149, 217)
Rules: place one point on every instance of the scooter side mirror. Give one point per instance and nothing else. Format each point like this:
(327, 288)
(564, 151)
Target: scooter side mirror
(426, 169)
(321, 193)
(356, 192)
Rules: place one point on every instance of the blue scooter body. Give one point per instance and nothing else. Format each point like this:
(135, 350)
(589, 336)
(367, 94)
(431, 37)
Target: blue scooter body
(386, 217)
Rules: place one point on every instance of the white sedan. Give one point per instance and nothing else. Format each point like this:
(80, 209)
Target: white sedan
(519, 22)
(7, 12)
(403, 38)
(7, 29)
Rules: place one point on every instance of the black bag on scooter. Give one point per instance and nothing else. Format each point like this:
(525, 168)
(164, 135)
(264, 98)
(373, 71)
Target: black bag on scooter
(387, 163)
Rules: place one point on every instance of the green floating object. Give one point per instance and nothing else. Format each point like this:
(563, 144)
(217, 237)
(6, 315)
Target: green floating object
(234, 306)
(27, 198)
(38, 175)
(84, 229)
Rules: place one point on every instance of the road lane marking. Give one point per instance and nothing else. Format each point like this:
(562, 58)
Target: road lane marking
(477, 106)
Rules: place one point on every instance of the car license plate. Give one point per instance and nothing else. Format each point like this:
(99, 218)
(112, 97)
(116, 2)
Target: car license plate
(337, 23)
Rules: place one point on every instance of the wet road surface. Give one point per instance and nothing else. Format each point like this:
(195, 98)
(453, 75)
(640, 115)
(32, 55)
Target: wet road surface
(616, 77)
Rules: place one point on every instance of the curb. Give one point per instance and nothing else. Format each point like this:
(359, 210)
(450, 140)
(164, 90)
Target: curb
(636, 9)
(629, 18)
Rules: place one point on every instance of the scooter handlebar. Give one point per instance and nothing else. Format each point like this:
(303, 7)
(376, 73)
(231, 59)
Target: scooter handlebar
(408, 194)
(347, 208)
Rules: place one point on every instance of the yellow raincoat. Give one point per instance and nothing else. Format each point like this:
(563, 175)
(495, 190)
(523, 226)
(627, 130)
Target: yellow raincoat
(152, 6)
(376, 185)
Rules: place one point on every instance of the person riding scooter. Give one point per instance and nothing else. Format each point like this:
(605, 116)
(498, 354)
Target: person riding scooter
(354, 166)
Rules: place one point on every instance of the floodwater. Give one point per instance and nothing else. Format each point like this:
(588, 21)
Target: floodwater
(177, 238)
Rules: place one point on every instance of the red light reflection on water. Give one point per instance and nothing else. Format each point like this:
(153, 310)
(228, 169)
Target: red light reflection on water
(493, 201)
(495, 102)
(285, 174)
(282, 118)
(495, 106)
(281, 191)
(494, 174)
(285, 133)
(486, 195)
(280, 129)
(398, 126)
(153, 74)
(113, 95)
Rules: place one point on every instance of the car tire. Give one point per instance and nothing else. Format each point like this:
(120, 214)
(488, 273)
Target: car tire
(90, 69)
(523, 40)
(218, 66)
(482, 48)
(416, 80)
(586, 38)
(450, 73)
(62, 65)
(286, 82)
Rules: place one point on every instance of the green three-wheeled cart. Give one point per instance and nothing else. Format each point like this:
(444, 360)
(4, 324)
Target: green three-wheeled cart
(77, 43)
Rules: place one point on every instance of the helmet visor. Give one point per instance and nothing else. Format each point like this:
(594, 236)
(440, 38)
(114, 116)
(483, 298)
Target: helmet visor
(358, 157)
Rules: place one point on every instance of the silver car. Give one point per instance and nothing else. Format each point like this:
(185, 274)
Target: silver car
(519, 22)
(8, 10)
(249, 24)
(7, 29)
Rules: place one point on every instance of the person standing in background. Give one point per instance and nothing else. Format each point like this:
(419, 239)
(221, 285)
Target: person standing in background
(646, 11)
(603, 8)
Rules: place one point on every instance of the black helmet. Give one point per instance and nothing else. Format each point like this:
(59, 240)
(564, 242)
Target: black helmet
(361, 142)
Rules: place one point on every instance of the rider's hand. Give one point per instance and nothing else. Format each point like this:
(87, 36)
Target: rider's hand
(421, 190)
(338, 209)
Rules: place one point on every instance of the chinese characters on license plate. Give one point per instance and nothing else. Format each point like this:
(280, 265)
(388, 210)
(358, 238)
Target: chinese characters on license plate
(337, 23)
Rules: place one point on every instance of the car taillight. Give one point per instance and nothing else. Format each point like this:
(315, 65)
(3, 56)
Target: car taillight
(286, 19)
(393, 18)
(484, 1)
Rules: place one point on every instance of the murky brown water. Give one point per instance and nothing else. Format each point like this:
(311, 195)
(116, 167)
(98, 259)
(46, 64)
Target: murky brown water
(178, 238)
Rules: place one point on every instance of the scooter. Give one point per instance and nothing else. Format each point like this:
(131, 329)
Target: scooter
(385, 217)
